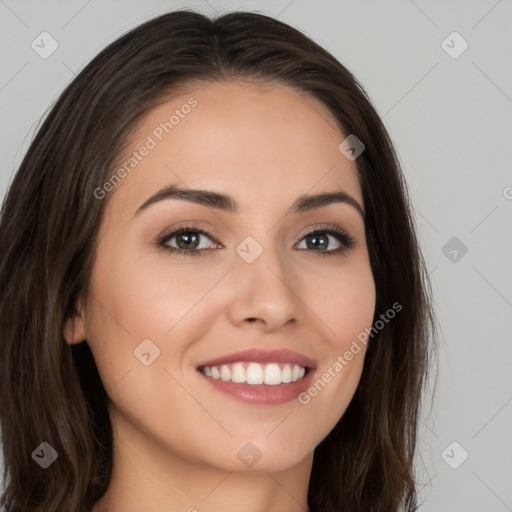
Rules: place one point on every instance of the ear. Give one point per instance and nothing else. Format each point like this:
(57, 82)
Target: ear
(74, 327)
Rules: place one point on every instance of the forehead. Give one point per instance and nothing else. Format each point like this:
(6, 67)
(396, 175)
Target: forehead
(243, 139)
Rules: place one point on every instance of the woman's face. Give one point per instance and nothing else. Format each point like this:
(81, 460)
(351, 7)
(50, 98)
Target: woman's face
(255, 296)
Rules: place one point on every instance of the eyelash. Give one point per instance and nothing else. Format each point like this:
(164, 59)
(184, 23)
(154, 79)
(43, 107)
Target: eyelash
(342, 236)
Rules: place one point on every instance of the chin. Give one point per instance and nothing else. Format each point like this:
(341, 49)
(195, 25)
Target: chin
(261, 456)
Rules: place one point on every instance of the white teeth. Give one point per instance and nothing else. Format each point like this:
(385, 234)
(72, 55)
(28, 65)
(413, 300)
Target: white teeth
(225, 373)
(271, 374)
(238, 373)
(286, 374)
(254, 374)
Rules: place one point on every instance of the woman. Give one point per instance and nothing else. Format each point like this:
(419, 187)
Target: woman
(213, 296)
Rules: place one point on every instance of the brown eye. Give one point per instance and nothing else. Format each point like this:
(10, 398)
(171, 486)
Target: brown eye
(321, 240)
(317, 241)
(186, 240)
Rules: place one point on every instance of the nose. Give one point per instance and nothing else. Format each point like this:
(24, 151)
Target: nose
(265, 294)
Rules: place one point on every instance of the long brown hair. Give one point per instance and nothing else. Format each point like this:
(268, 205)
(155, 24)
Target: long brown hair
(51, 391)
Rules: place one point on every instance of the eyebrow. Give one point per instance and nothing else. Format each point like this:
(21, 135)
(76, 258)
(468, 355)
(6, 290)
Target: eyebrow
(226, 203)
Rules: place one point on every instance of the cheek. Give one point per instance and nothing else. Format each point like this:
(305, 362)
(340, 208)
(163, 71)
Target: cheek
(135, 299)
(147, 296)
(343, 298)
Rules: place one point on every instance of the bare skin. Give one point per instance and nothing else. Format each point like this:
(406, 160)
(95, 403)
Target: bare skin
(176, 437)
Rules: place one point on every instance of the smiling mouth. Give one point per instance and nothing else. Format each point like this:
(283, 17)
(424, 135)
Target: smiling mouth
(252, 373)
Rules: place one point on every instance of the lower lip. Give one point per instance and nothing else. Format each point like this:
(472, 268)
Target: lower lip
(261, 394)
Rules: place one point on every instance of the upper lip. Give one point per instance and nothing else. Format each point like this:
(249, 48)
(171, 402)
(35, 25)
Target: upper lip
(263, 356)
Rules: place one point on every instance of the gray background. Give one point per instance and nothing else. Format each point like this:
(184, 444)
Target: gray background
(450, 119)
